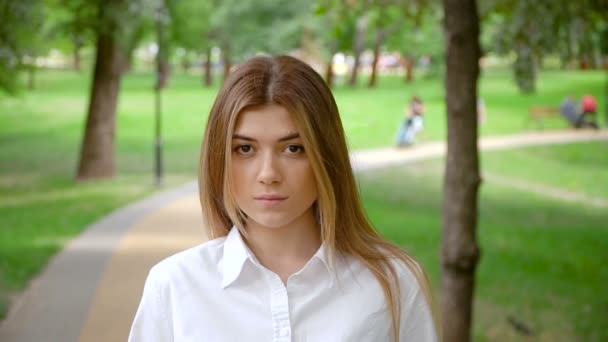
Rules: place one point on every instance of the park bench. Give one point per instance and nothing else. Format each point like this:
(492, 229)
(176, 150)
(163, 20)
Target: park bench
(537, 114)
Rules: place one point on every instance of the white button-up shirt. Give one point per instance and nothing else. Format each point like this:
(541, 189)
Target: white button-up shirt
(218, 291)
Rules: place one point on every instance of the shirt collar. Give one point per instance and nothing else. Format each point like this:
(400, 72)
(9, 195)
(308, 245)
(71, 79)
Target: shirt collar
(327, 262)
(236, 253)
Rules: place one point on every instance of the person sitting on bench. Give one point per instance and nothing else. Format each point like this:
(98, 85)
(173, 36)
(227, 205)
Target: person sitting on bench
(588, 111)
(569, 110)
(580, 116)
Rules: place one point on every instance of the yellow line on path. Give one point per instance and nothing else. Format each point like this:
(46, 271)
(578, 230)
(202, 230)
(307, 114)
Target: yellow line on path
(162, 233)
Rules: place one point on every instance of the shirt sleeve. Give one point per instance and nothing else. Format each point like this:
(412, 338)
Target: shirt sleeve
(151, 322)
(416, 320)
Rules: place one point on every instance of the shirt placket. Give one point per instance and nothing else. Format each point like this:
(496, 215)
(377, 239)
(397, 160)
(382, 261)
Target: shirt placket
(279, 306)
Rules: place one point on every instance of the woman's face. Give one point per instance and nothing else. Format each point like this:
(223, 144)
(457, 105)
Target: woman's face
(272, 180)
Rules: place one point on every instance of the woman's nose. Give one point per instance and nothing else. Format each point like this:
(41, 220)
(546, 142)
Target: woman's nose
(269, 171)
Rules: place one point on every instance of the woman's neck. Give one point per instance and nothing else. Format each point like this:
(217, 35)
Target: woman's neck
(285, 250)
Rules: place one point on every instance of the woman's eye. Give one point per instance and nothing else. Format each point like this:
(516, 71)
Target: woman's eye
(244, 149)
(293, 149)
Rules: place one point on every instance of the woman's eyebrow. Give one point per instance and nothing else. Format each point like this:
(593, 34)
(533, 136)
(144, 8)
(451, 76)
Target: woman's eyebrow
(290, 136)
(242, 137)
(285, 138)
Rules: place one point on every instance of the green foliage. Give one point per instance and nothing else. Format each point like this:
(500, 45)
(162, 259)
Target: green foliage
(250, 26)
(420, 33)
(532, 29)
(336, 26)
(72, 23)
(19, 21)
(190, 23)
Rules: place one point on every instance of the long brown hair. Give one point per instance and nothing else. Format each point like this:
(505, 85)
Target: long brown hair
(292, 84)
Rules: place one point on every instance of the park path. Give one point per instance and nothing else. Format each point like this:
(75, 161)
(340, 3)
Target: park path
(89, 292)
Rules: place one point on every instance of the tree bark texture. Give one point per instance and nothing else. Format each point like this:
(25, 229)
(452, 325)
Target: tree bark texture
(459, 250)
(77, 58)
(377, 45)
(408, 66)
(163, 71)
(358, 46)
(78, 44)
(226, 59)
(207, 72)
(329, 69)
(97, 151)
(31, 78)
(329, 72)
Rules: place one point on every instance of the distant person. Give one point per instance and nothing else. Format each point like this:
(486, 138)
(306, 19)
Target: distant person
(588, 117)
(412, 124)
(570, 111)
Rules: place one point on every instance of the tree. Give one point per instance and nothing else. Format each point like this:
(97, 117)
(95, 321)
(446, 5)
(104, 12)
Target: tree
(18, 21)
(532, 29)
(386, 20)
(419, 35)
(459, 251)
(97, 149)
(335, 30)
(406, 26)
(190, 29)
(247, 27)
(71, 21)
(358, 45)
(118, 25)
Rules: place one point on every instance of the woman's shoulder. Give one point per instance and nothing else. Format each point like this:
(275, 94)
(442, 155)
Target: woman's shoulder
(409, 272)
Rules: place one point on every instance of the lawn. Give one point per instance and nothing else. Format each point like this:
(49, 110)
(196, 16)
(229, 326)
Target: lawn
(41, 206)
(543, 261)
(580, 168)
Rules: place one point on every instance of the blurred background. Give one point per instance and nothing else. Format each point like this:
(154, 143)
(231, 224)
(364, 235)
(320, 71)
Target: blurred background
(105, 102)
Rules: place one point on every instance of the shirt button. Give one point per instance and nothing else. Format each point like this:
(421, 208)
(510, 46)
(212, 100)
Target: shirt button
(284, 332)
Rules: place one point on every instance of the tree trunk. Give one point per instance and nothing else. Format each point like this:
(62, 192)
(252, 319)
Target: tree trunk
(380, 34)
(97, 151)
(408, 66)
(355, 71)
(329, 71)
(31, 79)
(78, 42)
(163, 71)
(226, 60)
(377, 44)
(605, 101)
(358, 45)
(583, 63)
(460, 252)
(186, 63)
(207, 72)
(77, 58)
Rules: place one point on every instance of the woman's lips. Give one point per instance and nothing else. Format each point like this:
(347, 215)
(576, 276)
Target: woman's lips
(270, 200)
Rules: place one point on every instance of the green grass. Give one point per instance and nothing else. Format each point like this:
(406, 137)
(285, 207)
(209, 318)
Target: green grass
(41, 206)
(580, 167)
(543, 261)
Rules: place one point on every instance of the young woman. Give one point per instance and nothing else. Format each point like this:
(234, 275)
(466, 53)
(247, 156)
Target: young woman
(293, 256)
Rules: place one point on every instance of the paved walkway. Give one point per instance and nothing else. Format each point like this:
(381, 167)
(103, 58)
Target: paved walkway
(89, 292)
